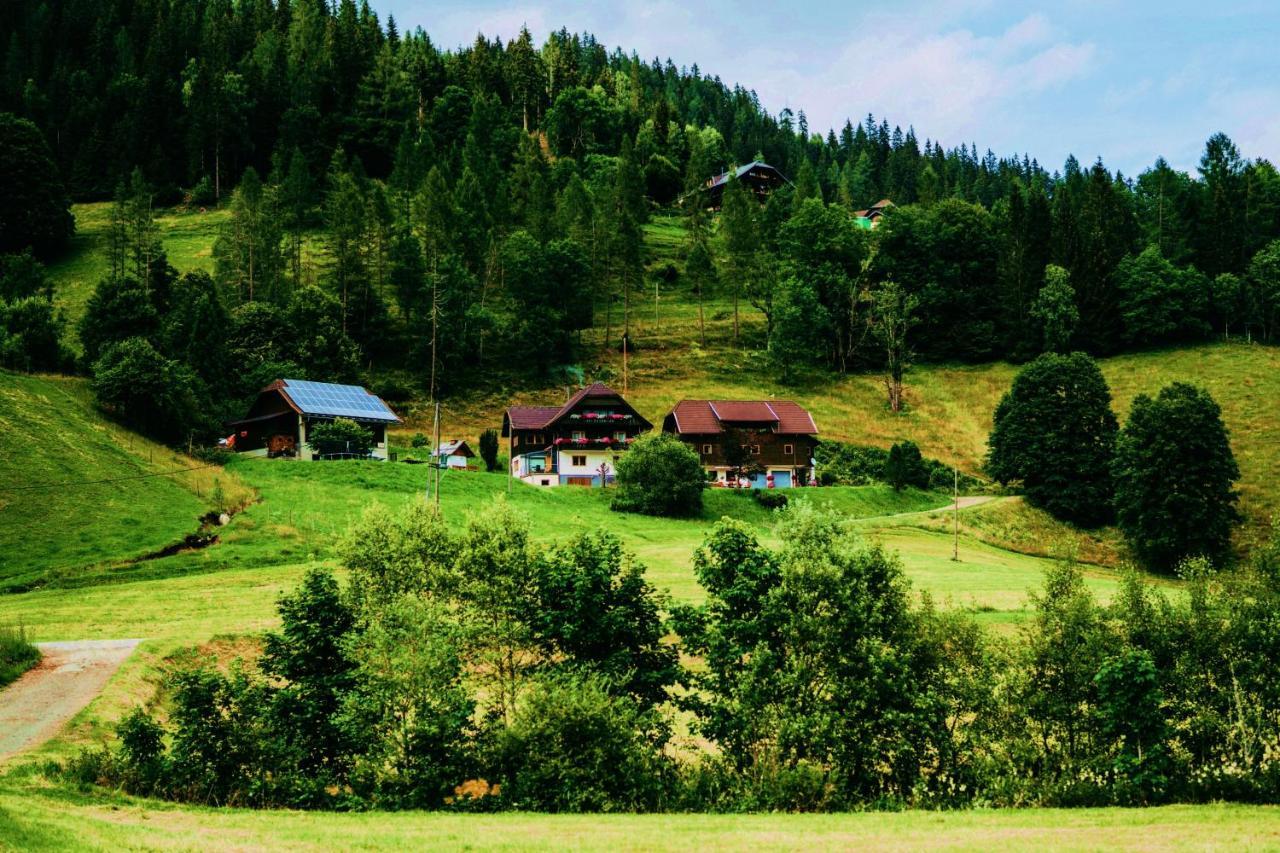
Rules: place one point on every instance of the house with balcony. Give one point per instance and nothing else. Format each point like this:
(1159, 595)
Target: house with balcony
(576, 444)
(761, 444)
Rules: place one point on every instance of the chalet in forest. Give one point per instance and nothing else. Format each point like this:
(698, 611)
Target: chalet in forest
(454, 454)
(776, 440)
(760, 178)
(286, 410)
(577, 444)
(870, 218)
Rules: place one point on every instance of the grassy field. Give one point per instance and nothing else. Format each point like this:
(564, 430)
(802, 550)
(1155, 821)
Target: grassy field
(37, 817)
(56, 515)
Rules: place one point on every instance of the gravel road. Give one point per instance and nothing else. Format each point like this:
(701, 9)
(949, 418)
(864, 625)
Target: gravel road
(36, 706)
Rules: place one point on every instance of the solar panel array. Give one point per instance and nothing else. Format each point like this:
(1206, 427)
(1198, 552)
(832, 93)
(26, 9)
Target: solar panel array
(344, 401)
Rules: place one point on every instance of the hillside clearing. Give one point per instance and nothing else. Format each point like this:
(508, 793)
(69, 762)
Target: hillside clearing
(56, 514)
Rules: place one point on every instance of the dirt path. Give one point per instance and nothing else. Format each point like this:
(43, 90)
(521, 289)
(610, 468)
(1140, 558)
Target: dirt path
(68, 676)
(965, 503)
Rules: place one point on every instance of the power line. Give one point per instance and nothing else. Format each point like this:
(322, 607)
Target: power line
(29, 488)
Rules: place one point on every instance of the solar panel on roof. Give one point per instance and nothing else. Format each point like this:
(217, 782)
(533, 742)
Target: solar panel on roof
(348, 401)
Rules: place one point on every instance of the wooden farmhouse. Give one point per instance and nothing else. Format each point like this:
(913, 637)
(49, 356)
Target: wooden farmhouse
(759, 178)
(286, 410)
(577, 444)
(870, 217)
(776, 440)
(454, 454)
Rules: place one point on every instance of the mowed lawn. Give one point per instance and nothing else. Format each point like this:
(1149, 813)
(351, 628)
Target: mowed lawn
(56, 516)
(45, 817)
(305, 508)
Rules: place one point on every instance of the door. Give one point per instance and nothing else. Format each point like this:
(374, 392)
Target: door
(782, 479)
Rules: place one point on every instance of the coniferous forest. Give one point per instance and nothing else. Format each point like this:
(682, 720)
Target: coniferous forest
(498, 189)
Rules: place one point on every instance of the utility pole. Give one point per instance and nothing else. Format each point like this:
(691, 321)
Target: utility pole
(436, 439)
(511, 458)
(955, 492)
(625, 389)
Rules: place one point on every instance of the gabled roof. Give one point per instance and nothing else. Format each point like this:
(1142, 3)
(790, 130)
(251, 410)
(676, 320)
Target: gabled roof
(542, 417)
(328, 400)
(708, 417)
(721, 179)
(457, 447)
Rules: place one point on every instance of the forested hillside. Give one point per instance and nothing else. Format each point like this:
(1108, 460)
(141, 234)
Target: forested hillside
(480, 206)
(431, 219)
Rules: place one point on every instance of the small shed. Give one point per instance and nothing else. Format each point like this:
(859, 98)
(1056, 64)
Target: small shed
(279, 420)
(454, 454)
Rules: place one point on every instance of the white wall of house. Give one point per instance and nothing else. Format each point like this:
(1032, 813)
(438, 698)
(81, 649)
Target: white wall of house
(590, 460)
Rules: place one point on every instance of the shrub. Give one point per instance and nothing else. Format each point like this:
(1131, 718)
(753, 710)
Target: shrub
(769, 499)
(660, 475)
(34, 209)
(575, 747)
(340, 437)
(904, 467)
(17, 655)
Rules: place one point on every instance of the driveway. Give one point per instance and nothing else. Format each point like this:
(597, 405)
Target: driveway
(36, 706)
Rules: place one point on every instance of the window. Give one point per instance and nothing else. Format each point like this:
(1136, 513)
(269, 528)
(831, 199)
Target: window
(579, 461)
(546, 482)
(706, 450)
(755, 450)
(620, 435)
(579, 435)
(788, 449)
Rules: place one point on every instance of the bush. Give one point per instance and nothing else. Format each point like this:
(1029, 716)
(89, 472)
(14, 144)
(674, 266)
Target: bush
(341, 437)
(16, 654)
(660, 475)
(574, 747)
(769, 499)
(905, 467)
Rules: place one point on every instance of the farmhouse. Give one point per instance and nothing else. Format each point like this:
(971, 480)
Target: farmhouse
(760, 178)
(286, 410)
(870, 218)
(768, 443)
(576, 444)
(454, 454)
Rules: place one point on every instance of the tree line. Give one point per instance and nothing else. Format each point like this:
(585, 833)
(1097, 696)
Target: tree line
(463, 667)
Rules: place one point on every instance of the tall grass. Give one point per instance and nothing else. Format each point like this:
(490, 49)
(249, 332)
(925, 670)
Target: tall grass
(16, 654)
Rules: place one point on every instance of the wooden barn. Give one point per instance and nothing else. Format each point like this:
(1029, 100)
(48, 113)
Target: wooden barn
(279, 419)
(577, 444)
(760, 178)
(778, 438)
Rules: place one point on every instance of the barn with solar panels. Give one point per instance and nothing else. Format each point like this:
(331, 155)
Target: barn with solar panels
(279, 419)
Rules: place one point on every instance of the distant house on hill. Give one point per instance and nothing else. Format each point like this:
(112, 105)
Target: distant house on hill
(454, 454)
(870, 218)
(286, 410)
(760, 178)
(777, 438)
(576, 444)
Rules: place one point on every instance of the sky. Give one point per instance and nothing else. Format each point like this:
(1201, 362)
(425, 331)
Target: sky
(1127, 82)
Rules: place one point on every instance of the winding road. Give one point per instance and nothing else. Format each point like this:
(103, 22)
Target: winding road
(69, 675)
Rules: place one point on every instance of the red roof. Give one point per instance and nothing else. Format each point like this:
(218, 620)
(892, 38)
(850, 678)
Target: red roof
(706, 417)
(531, 417)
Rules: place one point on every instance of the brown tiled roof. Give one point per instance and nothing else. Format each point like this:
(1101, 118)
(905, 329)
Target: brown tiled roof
(541, 417)
(531, 417)
(706, 417)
